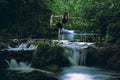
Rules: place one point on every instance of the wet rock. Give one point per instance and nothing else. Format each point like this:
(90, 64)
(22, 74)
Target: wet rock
(107, 56)
(47, 55)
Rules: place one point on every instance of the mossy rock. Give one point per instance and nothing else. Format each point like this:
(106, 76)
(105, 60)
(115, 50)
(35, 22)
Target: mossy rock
(47, 55)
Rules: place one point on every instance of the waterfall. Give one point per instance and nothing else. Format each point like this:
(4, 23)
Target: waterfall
(67, 31)
(75, 56)
(76, 51)
(83, 57)
(32, 47)
(12, 64)
(22, 46)
(22, 67)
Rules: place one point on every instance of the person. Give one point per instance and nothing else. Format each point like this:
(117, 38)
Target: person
(59, 26)
(51, 21)
(65, 18)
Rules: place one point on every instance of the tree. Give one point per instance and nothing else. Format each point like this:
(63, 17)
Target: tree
(24, 18)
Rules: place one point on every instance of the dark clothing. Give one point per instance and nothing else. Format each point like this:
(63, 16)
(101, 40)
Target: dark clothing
(64, 20)
(59, 25)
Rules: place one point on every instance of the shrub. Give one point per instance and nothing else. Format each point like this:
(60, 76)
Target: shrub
(113, 32)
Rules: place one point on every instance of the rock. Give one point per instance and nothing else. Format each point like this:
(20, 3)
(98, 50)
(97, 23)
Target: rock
(47, 55)
(106, 56)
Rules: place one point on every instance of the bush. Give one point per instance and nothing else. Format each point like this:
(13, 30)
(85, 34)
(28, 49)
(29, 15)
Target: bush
(47, 55)
(113, 32)
(24, 19)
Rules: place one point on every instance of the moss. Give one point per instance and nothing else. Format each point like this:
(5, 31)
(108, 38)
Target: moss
(47, 54)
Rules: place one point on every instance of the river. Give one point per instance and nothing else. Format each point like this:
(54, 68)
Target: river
(72, 35)
(78, 71)
(88, 73)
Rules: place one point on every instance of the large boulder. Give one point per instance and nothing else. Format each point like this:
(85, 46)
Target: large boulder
(47, 55)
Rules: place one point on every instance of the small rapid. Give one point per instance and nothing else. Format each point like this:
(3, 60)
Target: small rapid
(22, 67)
(76, 51)
(22, 46)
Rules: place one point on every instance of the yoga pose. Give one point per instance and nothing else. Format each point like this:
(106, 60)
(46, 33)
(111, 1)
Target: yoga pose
(59, 25)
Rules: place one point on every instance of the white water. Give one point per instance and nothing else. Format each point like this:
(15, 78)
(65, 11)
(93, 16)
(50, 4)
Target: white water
(75, 50)
(87, 73)
(22, 46)
(71, 35)
(68, 31)
(77, 56)
(22, 67)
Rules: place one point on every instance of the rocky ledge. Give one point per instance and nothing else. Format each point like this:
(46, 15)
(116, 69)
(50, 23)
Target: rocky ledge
(105, 55)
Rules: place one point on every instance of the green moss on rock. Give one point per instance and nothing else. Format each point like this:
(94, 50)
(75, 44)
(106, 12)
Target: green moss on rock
(47, 55)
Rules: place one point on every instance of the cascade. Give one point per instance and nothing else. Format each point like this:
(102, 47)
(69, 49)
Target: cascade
(68, 31)
(32, 47)
(83, 57)
(22, 46)
(76, 51)
(73, 56)
(76, 56)
(12, 64)
(9, 46)
(67, 34)
(22, 67)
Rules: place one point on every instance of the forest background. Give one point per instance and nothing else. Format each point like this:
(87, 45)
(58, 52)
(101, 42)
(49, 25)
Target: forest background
(30, 18)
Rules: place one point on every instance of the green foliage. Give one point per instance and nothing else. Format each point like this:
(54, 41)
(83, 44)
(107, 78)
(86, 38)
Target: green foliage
(95, 15)
(30, 18)
(24, 18)
(47, 55)
(114, 31)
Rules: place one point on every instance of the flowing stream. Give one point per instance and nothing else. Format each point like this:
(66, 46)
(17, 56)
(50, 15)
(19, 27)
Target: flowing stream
(77, 56)
(76, 52)
(22, 46)
(22, 67)
(88, 73)
(72, 35)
